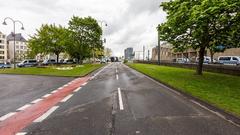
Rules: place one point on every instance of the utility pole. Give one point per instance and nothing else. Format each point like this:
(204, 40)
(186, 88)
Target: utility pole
(158, 47)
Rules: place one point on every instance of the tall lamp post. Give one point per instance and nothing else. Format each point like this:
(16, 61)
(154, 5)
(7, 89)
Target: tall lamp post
(159, 47)
(14, 35)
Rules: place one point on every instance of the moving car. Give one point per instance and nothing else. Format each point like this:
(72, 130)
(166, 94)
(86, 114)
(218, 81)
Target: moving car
(5, 65)
(229, 60)
(28, 63)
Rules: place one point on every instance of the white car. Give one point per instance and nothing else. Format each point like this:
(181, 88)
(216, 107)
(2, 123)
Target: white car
(207, 60)
(229, 60)
(182, 60)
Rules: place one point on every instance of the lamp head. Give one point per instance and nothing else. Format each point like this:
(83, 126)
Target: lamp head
(4, 23)
(22, 28)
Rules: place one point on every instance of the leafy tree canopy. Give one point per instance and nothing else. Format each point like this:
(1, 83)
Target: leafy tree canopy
(201, 24)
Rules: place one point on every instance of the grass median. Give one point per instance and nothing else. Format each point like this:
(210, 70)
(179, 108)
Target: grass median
(65, 71)
(220, 90)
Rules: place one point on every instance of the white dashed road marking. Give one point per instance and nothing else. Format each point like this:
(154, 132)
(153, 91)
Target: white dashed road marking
(120, 99)
(47, 95)
(54, 91)
(45, 115)
(84, 84)
(60, 88)
(117, 76)
(4, 117)
(66, 98)
(36, 101)
(77, 89)
(21, 133)
(23, 107)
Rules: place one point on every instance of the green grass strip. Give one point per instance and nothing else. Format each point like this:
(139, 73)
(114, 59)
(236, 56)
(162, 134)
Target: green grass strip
(220, 90)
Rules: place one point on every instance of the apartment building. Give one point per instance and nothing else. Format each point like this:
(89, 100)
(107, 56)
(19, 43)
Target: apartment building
(21, 48)
(166, 52)
(3, 47)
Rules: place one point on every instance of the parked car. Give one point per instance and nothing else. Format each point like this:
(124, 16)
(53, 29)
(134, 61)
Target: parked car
(49, 61)
(229, 60)
(207, 60)
(69, 61)
(5, 65)
(28, 63)
(103, 61)
(182, 60)
(61, 61)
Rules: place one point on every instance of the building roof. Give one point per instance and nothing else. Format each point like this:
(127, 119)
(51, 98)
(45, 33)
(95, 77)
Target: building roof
(18, 37)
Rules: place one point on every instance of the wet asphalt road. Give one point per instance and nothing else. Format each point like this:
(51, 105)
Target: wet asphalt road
(148, 109)
(18, 90)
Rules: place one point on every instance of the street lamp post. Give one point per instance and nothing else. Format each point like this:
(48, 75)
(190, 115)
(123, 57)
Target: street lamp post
(14, 35)
(159, 48)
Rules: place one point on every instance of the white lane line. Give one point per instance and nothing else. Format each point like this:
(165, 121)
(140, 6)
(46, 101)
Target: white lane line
(4, 117)
(117, 76)
(65, 85)
(54, 91)
(120, 99)
(45, 115)
(76, 90)
(21, 133)
(214, 112)
(47, 95)
(36, 101)
(66, 98)
(116, 71)
(23, 107)
(84, 84)
(60, 88)
(100, 71)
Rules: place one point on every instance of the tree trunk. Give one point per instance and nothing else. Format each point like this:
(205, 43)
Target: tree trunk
(57, 57)
(200, 62)
(211, 53)
(78, 60)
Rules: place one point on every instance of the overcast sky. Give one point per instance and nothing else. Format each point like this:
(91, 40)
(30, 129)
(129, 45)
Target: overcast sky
(131, 23)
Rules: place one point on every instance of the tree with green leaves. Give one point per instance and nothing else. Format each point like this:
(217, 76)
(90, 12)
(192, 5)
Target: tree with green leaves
(85, 35)
(201, 25)
(49, 39)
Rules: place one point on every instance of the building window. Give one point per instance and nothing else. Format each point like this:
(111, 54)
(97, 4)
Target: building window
(21, 47)
(3, 36)
(1, 52)
(2, 41)
(17, 47)
(1, 57)
(1, 47)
